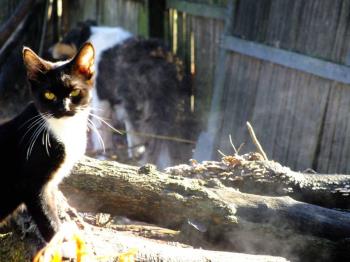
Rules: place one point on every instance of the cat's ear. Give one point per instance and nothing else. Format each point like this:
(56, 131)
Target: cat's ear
(34, 64)
(84, 61)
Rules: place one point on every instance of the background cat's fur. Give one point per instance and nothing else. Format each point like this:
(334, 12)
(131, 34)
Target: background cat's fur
(140, 87)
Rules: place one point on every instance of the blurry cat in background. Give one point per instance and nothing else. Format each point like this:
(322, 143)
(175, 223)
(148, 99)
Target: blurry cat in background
(39, 147)
(140, 84)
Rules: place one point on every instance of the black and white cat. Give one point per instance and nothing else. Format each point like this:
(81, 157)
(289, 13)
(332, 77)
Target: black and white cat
(139, 83)
(39, 147)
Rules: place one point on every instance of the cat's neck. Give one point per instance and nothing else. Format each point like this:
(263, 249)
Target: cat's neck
(71, 132)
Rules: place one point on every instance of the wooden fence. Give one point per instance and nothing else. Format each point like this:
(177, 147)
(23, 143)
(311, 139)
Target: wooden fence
(129, 14)
(282, 65)
(195, 31)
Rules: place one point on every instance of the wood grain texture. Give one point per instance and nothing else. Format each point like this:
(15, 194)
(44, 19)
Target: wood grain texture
(196, 40)
(315, 28)
(193, 194)
(334, 153)
(131, 15)
(301, 120)
(286, 116)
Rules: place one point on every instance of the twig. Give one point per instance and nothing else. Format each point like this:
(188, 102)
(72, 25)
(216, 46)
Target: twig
(255, 141)
(162, 137)
(233, 146)
(240, 147)
(221, 153)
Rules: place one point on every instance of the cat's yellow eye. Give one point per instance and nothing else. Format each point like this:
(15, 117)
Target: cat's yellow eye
(75, 92)
(49, 95)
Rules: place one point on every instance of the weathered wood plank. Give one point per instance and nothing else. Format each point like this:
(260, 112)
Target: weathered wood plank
(197, 9)
(208, 137)
(299, 119)
(334, 152)
(239, 102)
(132, 15)
(317, 28)
(289, 59)
(206, 35)
(286, 116)
(196, 40)
(308, 114)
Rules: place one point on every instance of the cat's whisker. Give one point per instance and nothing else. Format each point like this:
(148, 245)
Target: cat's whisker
(43, 137)
(105, 122)
(40, 117)
(37, 132)
(47, 138)
(96, 109)
(47, 135)
(35, 136)
(94, 128)
(41, 127)
(35, 121)
(46, 141)
(30, 119)
(31, 126)
(99, 137)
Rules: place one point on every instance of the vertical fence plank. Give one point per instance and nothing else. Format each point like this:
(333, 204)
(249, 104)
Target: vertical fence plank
(131, 15)
(209, 137)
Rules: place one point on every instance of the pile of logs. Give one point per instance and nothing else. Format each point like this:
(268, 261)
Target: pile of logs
(249, 207)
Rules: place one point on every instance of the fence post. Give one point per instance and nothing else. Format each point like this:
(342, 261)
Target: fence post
(207, 139)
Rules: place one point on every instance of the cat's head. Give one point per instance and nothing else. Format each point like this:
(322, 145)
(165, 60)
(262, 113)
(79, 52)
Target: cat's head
(61, 89)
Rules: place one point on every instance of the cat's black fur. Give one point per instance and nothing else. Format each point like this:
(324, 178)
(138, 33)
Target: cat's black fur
(34, 155)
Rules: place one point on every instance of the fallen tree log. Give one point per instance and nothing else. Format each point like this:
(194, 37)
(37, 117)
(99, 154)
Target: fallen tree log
(164, 199)
(251, 174)
(102, 244)
(195, 200)
(108, 245)
(218, 212)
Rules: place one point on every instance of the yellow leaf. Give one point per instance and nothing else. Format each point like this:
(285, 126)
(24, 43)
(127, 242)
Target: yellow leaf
(56, 257)
(128, 256)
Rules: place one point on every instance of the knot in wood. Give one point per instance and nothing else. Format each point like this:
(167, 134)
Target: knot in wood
(147, 169)
(253, 156)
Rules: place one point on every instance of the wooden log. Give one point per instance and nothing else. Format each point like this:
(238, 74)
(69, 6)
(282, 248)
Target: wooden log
(108, 245)
(231, 220)
(217, 212)
(167, 199)
(251, 174)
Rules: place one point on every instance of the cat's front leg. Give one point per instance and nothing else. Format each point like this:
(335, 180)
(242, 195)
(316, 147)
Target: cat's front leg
(42, 207)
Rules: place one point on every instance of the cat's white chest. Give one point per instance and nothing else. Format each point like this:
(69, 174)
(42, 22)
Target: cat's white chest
(72, 133)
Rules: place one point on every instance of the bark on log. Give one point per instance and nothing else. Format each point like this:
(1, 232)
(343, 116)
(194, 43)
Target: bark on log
(202, 207)
(243, 221)
(251, 174)
(164, 199)
(107, 245)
